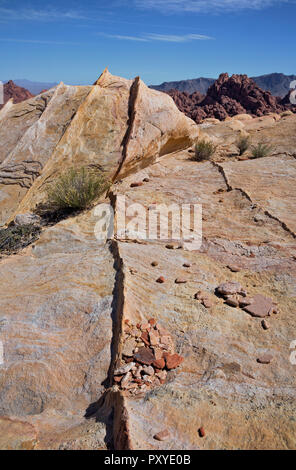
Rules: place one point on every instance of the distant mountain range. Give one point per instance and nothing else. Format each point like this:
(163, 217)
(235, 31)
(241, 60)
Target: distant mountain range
(277, 83)
(34, 87)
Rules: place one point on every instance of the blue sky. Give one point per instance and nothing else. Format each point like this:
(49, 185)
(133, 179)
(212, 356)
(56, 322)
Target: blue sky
(160, 40)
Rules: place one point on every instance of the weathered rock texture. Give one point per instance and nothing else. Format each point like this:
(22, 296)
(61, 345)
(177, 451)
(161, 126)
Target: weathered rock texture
(116, 125)
(66, 299)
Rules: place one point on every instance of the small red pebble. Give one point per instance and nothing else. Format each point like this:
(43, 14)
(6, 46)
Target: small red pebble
(160, 280)
(145, 338)
(201, 432)
(159, 363)
(126, 322)
(173, 360)
(145, 327)
(234, 268)
(154, 263)
(265, 359)
(138, 381)
(152, 321)
(162, 436)
(135, 185)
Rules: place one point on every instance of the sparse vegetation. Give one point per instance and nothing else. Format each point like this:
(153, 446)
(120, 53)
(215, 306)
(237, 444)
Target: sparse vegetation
(261, 150)
(204, 150)
(243, 143)
(14, 238)
(75, 190)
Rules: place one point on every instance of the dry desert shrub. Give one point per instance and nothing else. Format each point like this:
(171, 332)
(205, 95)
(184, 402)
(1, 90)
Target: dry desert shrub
(261, 150)
(204, 150)
(76, 189)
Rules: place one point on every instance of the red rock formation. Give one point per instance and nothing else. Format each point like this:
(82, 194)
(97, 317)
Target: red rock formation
(17, 93)
(229, 96)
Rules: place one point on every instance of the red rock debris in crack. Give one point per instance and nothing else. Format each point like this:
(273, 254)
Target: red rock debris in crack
(148, 353)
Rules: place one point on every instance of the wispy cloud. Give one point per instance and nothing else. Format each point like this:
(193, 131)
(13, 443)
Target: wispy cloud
(178, 38)
(123, 38)
(29, 14)
(149, 37)
(40, 41)
(207, 6)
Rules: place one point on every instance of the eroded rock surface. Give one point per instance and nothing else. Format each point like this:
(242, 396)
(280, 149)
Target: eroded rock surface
(56, 328)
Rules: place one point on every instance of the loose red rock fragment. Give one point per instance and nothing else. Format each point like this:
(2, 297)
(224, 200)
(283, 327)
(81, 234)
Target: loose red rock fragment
(162, 435)
(233, 268)
(173, 360)
(144, 356)
(154, 263)
(152, 321)
(180, 281)
(260, 307)
(138, 381)
(201, 432)
(154, 338)
(229, 288)
(145, 326)
(265, 359)
(232, 300)
(137, 184)
(159, 363)
(145, 338)
(160, 280)
(265, 325)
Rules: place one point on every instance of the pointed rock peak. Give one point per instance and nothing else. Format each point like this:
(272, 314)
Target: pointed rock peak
(101, 78)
